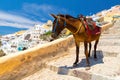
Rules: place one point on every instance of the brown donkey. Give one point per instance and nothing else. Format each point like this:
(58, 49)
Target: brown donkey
(77, 27)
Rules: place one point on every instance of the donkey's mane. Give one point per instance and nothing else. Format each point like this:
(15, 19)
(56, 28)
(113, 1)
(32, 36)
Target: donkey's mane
(67, 16)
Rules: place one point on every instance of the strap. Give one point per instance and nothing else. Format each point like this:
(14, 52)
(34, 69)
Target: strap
(78, 29)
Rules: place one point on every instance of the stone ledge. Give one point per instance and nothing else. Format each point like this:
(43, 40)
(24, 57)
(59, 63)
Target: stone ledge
(32, 59)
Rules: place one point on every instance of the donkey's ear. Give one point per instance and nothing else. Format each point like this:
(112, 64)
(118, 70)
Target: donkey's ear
(53, 15)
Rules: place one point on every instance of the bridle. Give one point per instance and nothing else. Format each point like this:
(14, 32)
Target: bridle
(79, 28)
(57, 23)
(55, 26)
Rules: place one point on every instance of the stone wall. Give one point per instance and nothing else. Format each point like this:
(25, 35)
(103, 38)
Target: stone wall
(25, 62)
(106, 26)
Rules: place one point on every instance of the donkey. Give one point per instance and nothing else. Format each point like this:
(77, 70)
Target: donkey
(77, 28)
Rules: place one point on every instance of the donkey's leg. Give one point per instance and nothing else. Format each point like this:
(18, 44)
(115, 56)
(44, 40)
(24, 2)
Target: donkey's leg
(77, 53)
(89, 49)
(86, 54)
(95, 47)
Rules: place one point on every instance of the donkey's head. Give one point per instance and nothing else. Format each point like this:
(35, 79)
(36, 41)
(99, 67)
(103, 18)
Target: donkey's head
(58, 25)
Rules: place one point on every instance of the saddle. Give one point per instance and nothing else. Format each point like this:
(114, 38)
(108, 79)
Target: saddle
(91, 24)
(91, 27)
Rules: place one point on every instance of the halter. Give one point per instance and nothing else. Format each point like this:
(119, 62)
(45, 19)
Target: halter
(55, 26)
(65, 21)
(57, 23)
(65, 25)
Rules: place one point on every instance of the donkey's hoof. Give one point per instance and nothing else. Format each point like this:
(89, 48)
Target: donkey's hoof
(87, 68)
(75, 65)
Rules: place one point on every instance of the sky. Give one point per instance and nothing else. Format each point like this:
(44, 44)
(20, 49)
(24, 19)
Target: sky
(26, 13)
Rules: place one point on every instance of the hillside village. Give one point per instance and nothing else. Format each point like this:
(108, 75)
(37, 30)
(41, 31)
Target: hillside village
(23, 40)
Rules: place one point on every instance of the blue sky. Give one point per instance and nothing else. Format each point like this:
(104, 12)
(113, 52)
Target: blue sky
(26, 13)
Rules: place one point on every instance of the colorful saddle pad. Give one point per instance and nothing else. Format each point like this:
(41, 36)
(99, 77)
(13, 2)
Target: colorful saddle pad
(91, 28)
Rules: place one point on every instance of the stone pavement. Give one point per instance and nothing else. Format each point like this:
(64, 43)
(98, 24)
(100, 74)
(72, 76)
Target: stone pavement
(107, 66)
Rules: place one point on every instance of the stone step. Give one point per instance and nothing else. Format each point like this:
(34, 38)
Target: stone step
(105, 68)
(47, 74)
(110, 37)
(112, 30)
(110, 50)
(109, 42)
(107, 51)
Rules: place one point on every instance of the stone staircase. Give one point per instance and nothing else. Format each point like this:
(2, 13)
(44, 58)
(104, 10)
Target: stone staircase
(107, 66)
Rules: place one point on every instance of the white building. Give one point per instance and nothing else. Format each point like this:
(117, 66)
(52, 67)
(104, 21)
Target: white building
(37, 30)
(28, 39)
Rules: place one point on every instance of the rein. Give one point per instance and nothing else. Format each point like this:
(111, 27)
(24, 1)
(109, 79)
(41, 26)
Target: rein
(78, 29)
